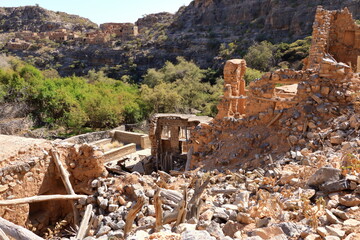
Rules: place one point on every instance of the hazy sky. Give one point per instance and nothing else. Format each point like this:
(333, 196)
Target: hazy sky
(100, 11)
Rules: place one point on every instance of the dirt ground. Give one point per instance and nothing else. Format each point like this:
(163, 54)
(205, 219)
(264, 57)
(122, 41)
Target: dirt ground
(10, 145)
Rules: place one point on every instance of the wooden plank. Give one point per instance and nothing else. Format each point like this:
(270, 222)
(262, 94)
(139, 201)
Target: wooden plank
(84, 226)
(17, 232)
(41, 198)
(65, 176)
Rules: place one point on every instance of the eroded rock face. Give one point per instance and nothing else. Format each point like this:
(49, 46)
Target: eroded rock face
(277, 19)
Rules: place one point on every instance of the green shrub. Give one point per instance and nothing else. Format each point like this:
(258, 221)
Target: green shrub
(260, 56)
(252, 74)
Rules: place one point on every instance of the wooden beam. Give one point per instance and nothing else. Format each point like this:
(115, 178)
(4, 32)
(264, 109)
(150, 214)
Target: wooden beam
(84, 226)
(17, 232)
(41, 198)
(65, 176)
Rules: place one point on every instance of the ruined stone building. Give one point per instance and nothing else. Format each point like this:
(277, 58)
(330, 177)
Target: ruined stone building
(121, 30)
(273, 113)
(27, 35)
(170, 138)
(17, 44)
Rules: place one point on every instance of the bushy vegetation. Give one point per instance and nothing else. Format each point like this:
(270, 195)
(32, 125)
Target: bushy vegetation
(74, 102)
(180, 88)
(265, 56)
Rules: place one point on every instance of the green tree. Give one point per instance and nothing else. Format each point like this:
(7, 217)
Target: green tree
(260, 56)
(161, 99)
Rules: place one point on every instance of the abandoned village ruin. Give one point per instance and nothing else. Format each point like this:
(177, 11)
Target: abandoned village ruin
(263, 125)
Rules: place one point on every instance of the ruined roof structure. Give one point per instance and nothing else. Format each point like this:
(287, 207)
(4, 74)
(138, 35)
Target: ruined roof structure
(261, 119)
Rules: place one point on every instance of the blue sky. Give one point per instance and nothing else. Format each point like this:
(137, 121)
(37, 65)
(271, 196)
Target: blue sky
(100, 11)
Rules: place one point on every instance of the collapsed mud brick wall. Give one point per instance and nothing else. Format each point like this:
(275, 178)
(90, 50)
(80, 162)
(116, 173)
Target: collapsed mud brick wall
(32, 172)
(252, 123)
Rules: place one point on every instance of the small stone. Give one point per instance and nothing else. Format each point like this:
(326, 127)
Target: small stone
(242, 198)
(323, 175)
(215, 230)
(312, 237)
(220, 213)
(322, 231)
(103, 230)
(293, 139)
(207, 215)
(312, 125)
(103, 203)
(150, 193)
(262, 222)
(113, 207)
(336, 140)
(334, 231)
(82, 201)
(244, 218)
(231, 227)
(118, 234)
(351, 223)
(341, 214)
(332, 238)
(196, 235)
(269, 232)
(95, 183)
(331, 218)
(350, 200)
(291, 229)
(185, 227)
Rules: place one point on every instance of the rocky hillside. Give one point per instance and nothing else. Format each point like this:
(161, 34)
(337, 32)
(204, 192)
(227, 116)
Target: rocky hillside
(200, 32)
(37, 19)
(279, 20)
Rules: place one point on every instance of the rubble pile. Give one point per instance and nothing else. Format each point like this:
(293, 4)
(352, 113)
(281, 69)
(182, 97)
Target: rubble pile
(281, 202)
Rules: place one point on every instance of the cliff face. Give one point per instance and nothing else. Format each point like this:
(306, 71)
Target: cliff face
(37, 19)
(273, 18)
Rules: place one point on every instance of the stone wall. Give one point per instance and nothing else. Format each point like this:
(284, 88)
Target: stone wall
(336, 33)
(140, 139)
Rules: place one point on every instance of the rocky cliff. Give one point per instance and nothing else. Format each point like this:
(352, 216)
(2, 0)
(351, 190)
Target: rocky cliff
(37, 19)
(276, 19)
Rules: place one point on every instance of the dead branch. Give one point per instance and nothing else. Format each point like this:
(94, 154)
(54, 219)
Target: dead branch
(158, 210)
(84, 226)
(40, 198)
(17, 232)
(193, 209)
(183, 208)
(132, 214)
